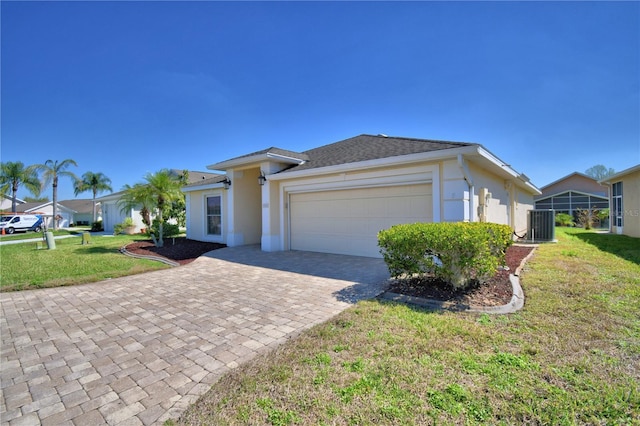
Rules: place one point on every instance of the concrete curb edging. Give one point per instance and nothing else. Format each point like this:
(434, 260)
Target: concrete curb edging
(515, 304)
(124, 251)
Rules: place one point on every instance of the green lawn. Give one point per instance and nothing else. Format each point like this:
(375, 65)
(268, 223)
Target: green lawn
(571, 356)
(32, 235)
(23, 266)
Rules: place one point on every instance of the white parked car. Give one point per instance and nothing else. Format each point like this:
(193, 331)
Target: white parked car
(21, 222)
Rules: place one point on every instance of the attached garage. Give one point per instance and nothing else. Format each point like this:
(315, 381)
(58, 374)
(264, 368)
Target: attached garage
(347, 221)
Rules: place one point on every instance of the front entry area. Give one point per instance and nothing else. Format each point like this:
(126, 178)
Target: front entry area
(347, 221)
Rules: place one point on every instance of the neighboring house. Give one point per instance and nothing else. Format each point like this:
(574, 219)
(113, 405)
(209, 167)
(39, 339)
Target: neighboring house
(573, 192)
(46, 209)
(6, 203)
(112, 213)
(83, 209)
(625, 201)
(337, 197)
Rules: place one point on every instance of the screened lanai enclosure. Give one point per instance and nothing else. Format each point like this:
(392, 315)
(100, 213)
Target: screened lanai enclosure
(571, 202)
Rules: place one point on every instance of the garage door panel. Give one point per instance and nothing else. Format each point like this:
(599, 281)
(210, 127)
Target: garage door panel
(348, 221)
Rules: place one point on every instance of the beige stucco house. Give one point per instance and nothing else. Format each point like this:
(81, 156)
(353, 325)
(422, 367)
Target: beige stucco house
(625, 201)
(573, 192)
(337, 197)
(113, 212)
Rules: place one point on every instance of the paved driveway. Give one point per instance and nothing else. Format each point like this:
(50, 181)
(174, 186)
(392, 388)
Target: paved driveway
(140, 349)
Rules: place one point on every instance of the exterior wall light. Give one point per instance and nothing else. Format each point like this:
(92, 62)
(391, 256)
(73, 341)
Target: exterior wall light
(262, 178)
(226, 182)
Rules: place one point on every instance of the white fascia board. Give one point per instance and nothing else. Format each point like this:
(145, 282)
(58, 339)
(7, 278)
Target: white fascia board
(60, 207)
(218, 185)
(380, 162)
(285, 159)
(546, 197)
(519, 178)
(617, 176)
(111, 197)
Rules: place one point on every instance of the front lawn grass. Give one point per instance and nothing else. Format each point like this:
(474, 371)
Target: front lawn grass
(29, 235)
(571, 356)
(23, 266)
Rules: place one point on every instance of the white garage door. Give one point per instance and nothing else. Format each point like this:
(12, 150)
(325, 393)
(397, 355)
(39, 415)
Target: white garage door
(348, 221)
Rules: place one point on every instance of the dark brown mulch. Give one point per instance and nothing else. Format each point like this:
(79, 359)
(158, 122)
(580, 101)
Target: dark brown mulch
(495, 292)
(181, 250)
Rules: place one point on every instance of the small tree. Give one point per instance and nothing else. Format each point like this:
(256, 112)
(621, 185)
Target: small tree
(157, 194)
(587, 217)
(137, 196)
(94, 182)
(178, 209)
(599, 172)
(14, 174)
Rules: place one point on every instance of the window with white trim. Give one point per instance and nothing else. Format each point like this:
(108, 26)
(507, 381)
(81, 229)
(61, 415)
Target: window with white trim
(214, 215)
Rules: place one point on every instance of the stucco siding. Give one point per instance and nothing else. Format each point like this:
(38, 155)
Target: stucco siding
(455, 194)
(197, 218)
(631, 204)
(247, 202)
(575, 183)
(113, 215)
(523, 203)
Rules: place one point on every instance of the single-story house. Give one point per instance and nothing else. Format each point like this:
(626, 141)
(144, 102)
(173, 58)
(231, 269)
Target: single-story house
(112, 213)
(335, 198)
(46, 209)
(624, 215)
(6, 202)
(571, 193)
(83, 210)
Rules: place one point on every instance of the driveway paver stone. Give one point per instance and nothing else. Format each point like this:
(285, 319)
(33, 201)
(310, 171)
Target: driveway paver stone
(141, 349)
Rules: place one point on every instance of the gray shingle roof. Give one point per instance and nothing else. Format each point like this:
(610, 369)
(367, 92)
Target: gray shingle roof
(368, 147)
(218, 178)
(195, 176)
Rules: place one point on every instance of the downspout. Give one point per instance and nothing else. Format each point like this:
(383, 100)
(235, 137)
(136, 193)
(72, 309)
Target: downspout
(467, 177)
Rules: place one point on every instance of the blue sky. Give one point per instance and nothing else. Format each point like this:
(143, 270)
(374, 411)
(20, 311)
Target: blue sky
(126, 88)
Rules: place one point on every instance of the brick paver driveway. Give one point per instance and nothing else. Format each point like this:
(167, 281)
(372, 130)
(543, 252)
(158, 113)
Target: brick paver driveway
(140, 349)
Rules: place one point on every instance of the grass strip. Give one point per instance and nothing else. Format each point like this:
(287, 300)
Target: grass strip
(23, 266)
(571, 356)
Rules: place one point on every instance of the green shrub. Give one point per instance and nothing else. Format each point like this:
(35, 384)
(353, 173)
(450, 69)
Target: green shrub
(97, 226)
(121, 227)
(168, 230)
(459, 253)
(564, 219)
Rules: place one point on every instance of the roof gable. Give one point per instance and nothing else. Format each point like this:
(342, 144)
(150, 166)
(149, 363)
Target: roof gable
(269, 154)
(79, 205)
(368, 147)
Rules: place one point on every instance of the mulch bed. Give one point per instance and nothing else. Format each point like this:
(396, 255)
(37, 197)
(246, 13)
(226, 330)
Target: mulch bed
(181, 250)
(495, 292)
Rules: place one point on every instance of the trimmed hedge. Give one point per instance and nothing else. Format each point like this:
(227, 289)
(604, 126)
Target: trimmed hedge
(459, 253)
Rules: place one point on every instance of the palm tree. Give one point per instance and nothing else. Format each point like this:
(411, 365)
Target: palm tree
(51, 171)
(137, 196)
(94, 182)
(160, 190)
(14, 174)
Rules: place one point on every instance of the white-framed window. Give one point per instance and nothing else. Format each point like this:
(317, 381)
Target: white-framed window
(617, 209)
(213, 213)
